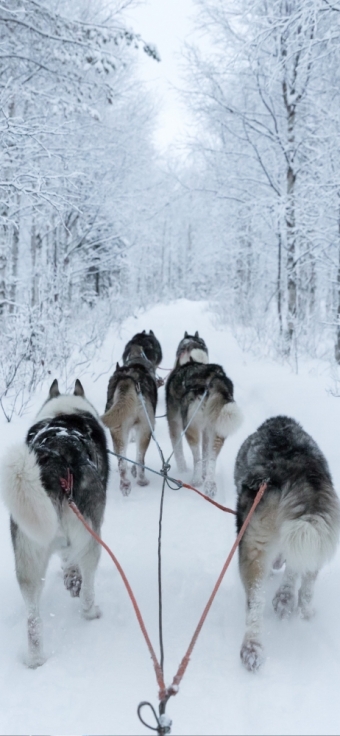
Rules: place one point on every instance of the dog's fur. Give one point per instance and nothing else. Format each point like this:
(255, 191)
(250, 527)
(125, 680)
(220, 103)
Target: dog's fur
(124, 411)
(217, 417)
(191, 347)
(67, 435)
(150, 345)
(297, 520)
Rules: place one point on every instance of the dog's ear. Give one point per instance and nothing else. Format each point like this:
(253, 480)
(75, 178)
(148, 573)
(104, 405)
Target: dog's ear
(151, 332)
(54, 390)
(117, 366)
(143, 333)
(186, 334)
(196, 333)
(78, 389)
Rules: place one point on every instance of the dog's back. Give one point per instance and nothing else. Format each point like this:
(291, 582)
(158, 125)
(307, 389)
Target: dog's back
(200, 400)
(149, 344)
(74, 443)
(298, 519)
(187, 384)
(66, 437)
(131, 403)
(125, 384)
(299, 482)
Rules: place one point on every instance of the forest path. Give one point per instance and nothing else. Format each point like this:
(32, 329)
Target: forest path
(97, 672)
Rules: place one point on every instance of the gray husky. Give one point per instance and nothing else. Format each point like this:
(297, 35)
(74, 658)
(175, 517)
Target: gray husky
(131, 405)
(67, 437)
(200, 400)
(150, 345)
(297, 521)
(191, 346)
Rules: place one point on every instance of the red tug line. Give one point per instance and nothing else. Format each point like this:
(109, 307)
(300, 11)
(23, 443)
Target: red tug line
(164, 692)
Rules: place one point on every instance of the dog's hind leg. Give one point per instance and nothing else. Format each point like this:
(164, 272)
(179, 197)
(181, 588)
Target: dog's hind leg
(214, 448)
(284, 599)
(88, 564)
(30, 564)
(205, 452)
(134, 471)
(175, 429)
(143, 440)
(193, 436)
(120, 441)
(254, 567)
(305, 595)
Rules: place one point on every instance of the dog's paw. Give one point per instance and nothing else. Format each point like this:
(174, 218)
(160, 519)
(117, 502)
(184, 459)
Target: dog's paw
(143, 482)
(284, 602)
(33, 661)
(73, 580)
(197, 480)
(134, 470)
(252, 655)
(306, 612)
(210, 488)
(125, 487)
(91, 613)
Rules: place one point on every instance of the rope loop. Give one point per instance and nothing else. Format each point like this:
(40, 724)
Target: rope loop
(163, 722)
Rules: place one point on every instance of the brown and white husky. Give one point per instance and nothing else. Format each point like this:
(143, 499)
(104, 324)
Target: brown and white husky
(131, 406)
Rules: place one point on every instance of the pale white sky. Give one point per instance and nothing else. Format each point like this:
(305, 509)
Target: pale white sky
(167, 24)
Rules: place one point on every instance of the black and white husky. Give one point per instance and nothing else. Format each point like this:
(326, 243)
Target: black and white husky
(200, 400)
(297, 520)
(67, 437)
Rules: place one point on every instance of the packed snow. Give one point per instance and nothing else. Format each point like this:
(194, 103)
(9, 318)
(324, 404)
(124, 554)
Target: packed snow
(97, 672)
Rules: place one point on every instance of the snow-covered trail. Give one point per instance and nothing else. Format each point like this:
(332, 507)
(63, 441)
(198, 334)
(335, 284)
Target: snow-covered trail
(97, 672)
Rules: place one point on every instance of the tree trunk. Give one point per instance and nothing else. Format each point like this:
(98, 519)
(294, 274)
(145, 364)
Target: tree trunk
(36, 246)
(279, 282)
(15, 259)
(291, 232)
(337, 335)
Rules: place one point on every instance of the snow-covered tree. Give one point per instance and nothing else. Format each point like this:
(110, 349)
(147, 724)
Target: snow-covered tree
(265, 97)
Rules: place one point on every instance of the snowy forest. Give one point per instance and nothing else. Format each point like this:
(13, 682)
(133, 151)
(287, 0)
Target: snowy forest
(231, 230)
(96, 224)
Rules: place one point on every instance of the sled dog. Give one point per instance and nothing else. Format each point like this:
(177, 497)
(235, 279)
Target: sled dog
(67, 437)
(191, 346)
(206, 422)
(150, 345)
(132, 391)
(297, 520)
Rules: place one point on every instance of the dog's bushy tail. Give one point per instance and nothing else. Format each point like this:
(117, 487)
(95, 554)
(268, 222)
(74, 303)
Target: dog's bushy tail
(311, 541)
(25, 496)
(229, 419)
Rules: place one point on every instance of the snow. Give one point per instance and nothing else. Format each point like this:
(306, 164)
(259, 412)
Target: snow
(98, 672)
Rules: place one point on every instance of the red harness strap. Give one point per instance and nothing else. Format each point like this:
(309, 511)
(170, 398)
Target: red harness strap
(206, 498)
(173, 689)
(67, 486)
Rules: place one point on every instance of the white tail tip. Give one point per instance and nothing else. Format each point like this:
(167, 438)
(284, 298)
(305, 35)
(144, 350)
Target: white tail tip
(25, 496)
(229, 420)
